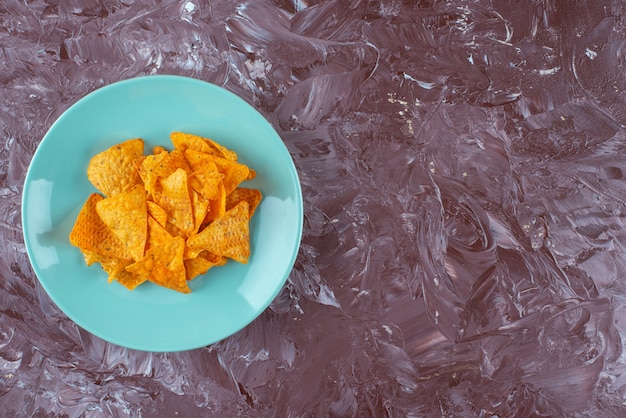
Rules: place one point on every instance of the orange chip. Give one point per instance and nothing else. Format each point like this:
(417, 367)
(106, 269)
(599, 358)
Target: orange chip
(129, 280)
(114, 267)
(198, 160)
(206, 183)
(251, 174)
(161, 165)
(158, 149)
(200, 207)
(113, 171)
(176, 201)
(91, 256)
(202, 263)
(228, 236)
(157, 212)
(90, 233)
(126, 215)
(217, 207)
(252, 196)
(234, 173)
(157, 234)
(149, 171)
(164, 265)
(185, 141)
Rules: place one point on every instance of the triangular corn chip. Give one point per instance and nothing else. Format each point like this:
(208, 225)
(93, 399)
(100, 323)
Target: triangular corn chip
(234, 173)
(252, 196)
(157, 212)
(164, 265)
(228, 236)
(90, 233)
(185, 141)
(126, 215)
(217, 207)
(202, 263)
(113, 171)
(200, 207)
(199, 160)
(129, 280)
(176, 201)
(157, 234)
(149, 171)
(206, 183)
(114, 267)
(157, 166)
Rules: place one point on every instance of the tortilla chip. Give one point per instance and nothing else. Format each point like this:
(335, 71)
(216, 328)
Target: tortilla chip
(113, 171)
(198, 160)
(157, 212)
(157, 234)
(228, 236)
(157, 166)
(234, 173)
(206, 183)
(200, 207)
(175, 200)
(252, 196)
(164, 265)
(158, 149)
(185, 141)
(126, 215)
(202, 263)
(114, 267)
(129, 280)
(217, 207)
(90, 233)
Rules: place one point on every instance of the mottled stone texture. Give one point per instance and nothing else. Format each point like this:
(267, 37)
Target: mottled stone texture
(463, 169)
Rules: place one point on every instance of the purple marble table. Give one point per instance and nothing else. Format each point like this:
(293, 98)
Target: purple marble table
(463, 170)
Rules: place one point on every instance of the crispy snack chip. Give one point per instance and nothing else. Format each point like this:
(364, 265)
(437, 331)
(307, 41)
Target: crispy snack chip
(176, 201)
(228, 236)
(157, 212)
(126, 215)
(166, 217)
(189, 141)
(164, 265)
(252, 196)
(202, 263)
(113, 171)
(157, 234)
(90, 233)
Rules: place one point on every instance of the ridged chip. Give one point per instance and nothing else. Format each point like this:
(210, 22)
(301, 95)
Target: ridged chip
(228, 236)
(252, 196)
(126, 215)
(113, 171)
(90, 233)
(202, 263)
(164, 265)
(176, 201)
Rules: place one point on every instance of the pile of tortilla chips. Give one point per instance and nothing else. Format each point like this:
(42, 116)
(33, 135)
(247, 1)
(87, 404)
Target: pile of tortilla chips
(166, 217)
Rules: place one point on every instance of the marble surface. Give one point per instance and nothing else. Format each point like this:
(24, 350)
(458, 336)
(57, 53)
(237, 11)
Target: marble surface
(463, 169)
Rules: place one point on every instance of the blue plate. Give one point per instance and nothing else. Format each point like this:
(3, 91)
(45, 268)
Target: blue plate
(152, 318)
